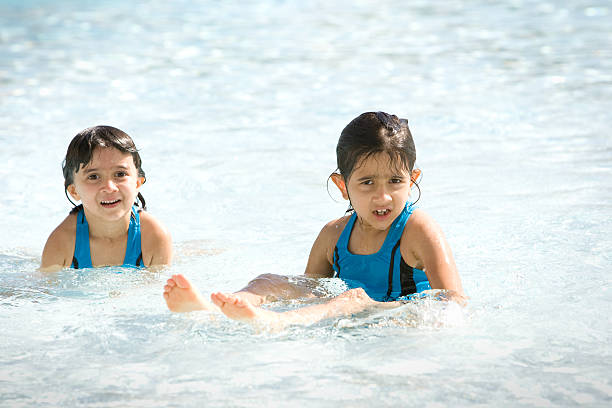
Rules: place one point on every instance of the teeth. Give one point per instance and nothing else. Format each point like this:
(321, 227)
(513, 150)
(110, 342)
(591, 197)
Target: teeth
(381, 212)
(110, 202)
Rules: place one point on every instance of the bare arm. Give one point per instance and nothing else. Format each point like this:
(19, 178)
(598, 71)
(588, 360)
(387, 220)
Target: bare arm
(426, 247)
(59, 249)
(156, 241)
(321, 256)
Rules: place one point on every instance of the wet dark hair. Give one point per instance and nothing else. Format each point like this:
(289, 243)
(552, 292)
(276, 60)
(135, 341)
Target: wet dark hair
(81, 148)
(372, 133)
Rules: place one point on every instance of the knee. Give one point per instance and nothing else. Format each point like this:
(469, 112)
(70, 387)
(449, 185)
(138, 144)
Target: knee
(269, 277)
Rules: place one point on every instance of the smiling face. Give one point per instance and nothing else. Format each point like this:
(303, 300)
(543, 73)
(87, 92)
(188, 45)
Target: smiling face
(107, 185)
(377, 189)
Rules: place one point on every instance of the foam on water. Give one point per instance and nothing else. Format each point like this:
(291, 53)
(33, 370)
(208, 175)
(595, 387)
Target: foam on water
(236, 109)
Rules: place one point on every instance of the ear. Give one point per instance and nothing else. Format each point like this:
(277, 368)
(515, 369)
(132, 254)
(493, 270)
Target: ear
(416, 173)
(73, 192)
(140, 181)
(341, 184)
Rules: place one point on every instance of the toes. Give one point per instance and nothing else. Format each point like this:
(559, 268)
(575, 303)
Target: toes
(216, 299)
(222, 297)
(181, 281)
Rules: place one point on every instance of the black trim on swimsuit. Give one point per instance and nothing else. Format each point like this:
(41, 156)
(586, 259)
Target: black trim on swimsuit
(337, 261)
(408, 285)
(393, 251)
(407, 279)
(75, 262)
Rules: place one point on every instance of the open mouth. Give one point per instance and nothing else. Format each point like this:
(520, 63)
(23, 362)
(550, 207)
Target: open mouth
(382, 212)
(109, 203)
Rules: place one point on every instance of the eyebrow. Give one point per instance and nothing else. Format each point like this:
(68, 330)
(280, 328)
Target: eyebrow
(120, 167)
(386, 176)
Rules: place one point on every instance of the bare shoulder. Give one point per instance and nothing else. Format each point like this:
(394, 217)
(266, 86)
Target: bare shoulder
(332, 230)
(321, 255)
(59, 249)
(425, 247)
(420, 235)
(151, 226)
(331, 233)
(422, 223)
(155, 240)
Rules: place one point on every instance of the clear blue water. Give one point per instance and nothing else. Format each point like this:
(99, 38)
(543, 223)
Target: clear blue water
(236, 109)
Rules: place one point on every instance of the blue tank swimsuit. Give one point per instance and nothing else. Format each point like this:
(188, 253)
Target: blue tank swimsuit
(383, 275)
(82, 253)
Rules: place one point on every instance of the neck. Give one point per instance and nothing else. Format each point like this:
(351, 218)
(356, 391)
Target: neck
(110, 230)
(368, 230)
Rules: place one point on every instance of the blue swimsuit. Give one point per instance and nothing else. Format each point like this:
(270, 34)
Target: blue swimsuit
(82, 254)
(383, 275)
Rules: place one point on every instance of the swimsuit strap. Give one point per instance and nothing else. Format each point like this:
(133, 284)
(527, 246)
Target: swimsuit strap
(342, 243)
(133, 252)
(82, 255)
(397, 228)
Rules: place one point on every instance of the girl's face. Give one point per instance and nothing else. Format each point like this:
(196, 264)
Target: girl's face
(108, 185)
(377, 190)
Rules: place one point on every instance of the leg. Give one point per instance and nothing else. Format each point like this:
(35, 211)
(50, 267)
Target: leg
(237, 308)
(269, 287)
(182, 296)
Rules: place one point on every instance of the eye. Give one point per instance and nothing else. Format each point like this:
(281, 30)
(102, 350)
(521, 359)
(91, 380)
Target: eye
(121, 174)
(92, 177)
(396, 180)
(367, 182)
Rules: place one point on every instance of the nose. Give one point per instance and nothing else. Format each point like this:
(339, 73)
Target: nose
(109, 185)
(381, 194)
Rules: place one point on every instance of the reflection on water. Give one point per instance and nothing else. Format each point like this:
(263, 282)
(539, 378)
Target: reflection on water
(236, 109)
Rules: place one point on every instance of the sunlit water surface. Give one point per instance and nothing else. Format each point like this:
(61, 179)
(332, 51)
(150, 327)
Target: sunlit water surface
(236, 107)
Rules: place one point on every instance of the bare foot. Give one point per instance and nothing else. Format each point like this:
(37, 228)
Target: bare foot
(181, 296)
(237, 308)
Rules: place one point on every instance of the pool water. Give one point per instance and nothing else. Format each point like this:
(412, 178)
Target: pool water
(236, 108)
